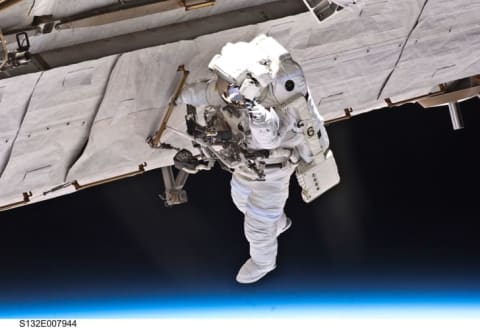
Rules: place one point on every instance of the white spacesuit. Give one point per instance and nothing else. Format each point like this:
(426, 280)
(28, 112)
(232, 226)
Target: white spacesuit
(272, 115)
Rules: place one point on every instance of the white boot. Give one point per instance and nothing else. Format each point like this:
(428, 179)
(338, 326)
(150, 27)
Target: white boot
(262, 237)
(251, 272)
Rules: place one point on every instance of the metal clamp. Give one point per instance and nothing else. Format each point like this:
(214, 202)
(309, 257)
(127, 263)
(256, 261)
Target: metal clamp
(25, 201)
(174, 193)
(197, 5)
(348, 115)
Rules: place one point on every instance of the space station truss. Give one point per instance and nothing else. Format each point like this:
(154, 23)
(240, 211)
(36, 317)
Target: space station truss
(71, 127)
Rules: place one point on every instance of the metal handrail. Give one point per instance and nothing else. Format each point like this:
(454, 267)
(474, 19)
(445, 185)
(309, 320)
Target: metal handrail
(78, 186)
(155, 140)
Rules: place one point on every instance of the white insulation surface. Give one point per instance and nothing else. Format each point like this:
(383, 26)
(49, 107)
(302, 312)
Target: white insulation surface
(15, 96)
(393, 49)
(55, 127)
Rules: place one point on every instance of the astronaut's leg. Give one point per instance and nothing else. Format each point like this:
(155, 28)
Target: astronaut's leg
(264, 212)
(240, 190)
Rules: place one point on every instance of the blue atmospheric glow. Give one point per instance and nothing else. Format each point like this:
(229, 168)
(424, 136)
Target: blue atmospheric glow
(344, 305)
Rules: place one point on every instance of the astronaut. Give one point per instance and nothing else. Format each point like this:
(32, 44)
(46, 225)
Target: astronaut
(260, 93)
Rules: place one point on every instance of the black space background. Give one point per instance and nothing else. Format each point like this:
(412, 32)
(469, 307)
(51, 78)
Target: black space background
(405, 216)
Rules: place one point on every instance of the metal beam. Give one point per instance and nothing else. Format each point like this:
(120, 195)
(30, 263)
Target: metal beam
(455, 115)
(174, 193)
(165, 34)
(120, 15)
(3, 51)
(4, 4)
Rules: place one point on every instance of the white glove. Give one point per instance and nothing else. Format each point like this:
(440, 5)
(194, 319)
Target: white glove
(264, 127)
(258, 113)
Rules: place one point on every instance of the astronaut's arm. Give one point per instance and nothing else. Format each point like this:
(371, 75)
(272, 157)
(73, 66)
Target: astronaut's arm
(264, 127)
(201, 93)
